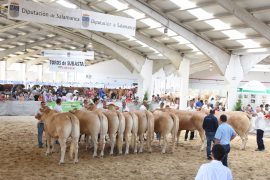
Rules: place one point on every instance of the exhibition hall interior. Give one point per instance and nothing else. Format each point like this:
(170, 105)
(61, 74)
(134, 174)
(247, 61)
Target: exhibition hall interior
(126, 88)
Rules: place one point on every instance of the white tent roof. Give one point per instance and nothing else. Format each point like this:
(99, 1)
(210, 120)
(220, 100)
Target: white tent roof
(212, 21)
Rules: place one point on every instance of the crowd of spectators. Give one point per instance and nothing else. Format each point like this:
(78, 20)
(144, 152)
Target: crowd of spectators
(264, 108)
(52, 93)
(68, 94)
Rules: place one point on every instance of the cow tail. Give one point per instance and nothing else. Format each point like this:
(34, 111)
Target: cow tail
(75, 133)
(100, 116)
(149, 126)
(74, 126)
(175, 124)
(120, 117)
(133, 118)
(133, 139)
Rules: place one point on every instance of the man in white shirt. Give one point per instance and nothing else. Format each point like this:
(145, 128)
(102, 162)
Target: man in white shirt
(215, 169)
(69, 96)
(144, 105)
(260, 124)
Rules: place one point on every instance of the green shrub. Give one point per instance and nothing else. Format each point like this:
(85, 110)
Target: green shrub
(238, 105)
(145, 96)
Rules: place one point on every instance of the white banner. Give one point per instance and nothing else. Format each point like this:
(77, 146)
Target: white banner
(89, 55)
(74, 18)
(108, 23)
(66, 64)
(3, 2)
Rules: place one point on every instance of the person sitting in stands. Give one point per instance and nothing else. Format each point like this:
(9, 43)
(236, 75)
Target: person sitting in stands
(104, 104)
(21, 97)
(93, 106)
(2, 97)
(215, 169)
(85, 105)
(161, 106)
(124, 107)
(58, 107)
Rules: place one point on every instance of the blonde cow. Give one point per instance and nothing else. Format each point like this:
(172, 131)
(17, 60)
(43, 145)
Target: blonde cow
(240, 121)
(116, 126)
(131, 128)
(145, 125)
(61, 126)
(190, 120)
(92, 124)
(166, 123)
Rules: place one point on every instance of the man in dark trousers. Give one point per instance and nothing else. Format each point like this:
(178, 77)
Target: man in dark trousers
(225, 133)
(210, 125)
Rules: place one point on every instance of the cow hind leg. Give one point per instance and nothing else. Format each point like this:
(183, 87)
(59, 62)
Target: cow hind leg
(165, 142)
(173, 141)
(48, 151)
(120, 143)
(203, 142)
(63, 146)
(87, 144)
(149, 142)
(71, 149)
(127, 143)
(112, 138)
(178, 137)
(244, 141)
(134, 143)
(95, 139)
(74, 149)
(102, 145)
(141, 138)
(53, 141)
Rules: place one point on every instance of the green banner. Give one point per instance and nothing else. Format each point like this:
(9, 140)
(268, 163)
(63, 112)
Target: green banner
(66, 106)
(252, 91)
(239, 89)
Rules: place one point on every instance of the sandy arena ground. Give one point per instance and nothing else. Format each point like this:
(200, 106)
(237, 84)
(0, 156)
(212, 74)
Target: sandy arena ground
(21, 159)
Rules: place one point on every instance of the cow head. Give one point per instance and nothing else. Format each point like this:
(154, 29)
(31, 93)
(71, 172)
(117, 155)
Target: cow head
(45, 112)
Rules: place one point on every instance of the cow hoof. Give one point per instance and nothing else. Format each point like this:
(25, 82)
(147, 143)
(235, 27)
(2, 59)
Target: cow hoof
(76, 161)
(61, 163)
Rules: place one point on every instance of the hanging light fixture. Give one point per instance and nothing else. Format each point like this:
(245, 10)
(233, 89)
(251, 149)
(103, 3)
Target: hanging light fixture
(210, 66)
(165, 34)
(25, 50)
(84, 48)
